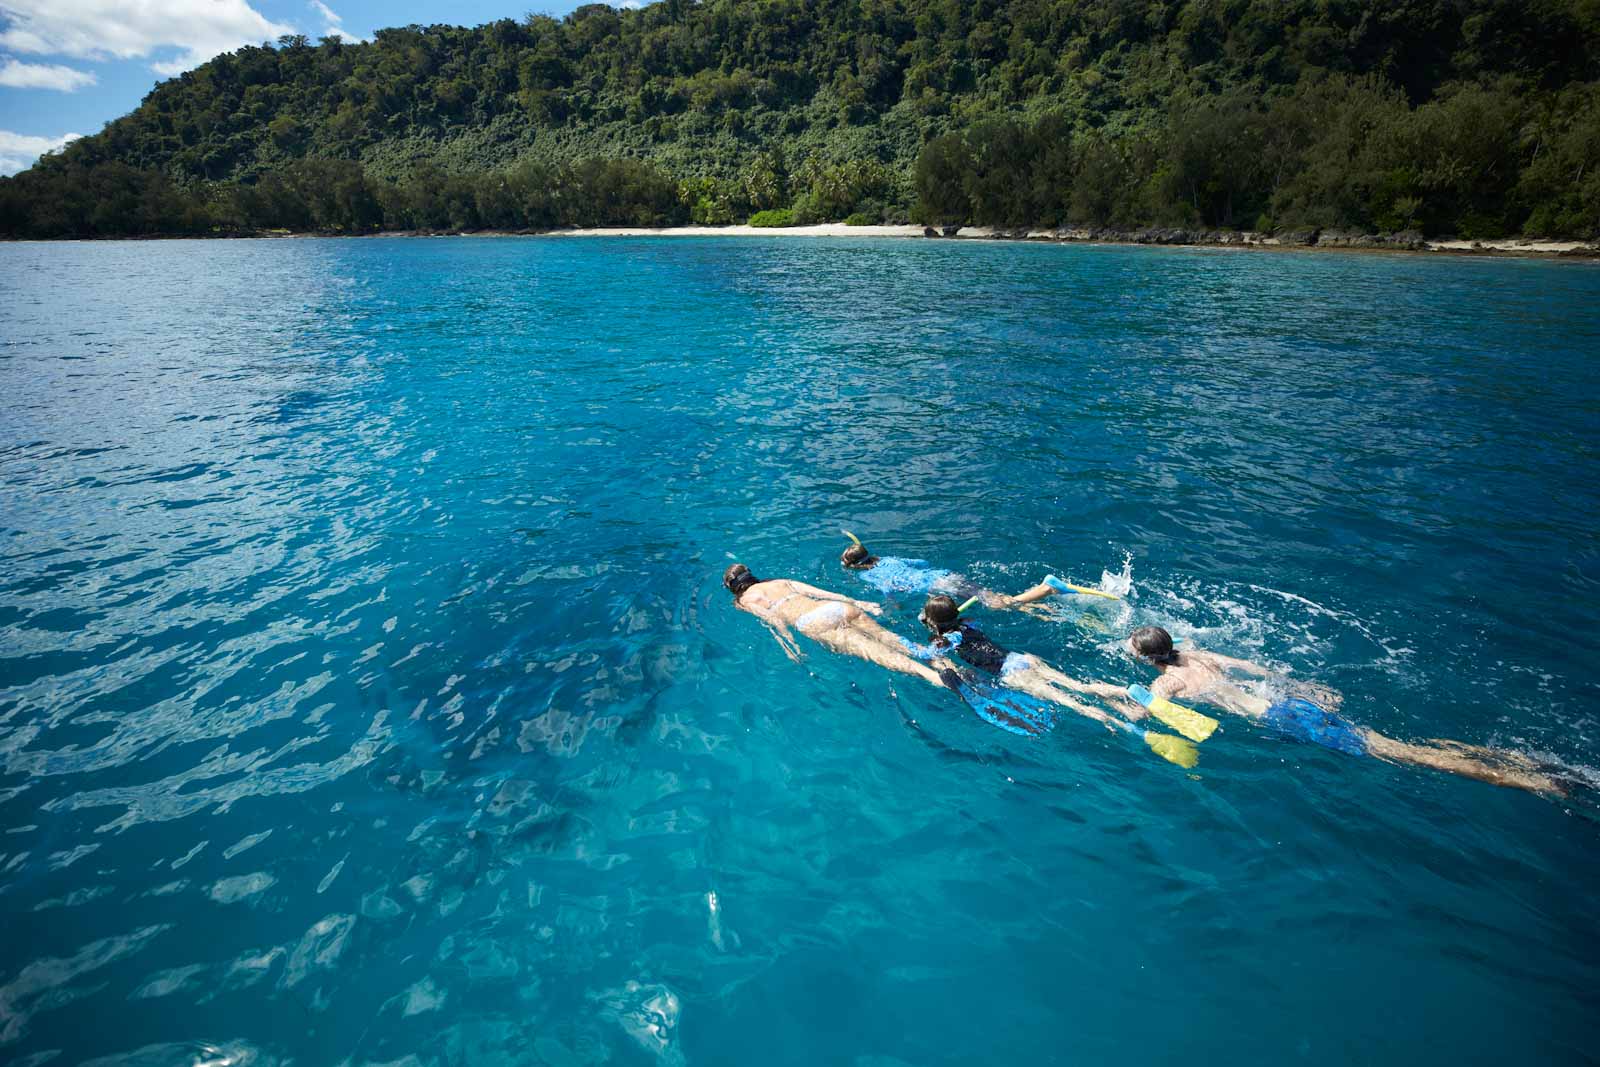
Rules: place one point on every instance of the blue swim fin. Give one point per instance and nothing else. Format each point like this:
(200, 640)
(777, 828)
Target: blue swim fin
(1008, 709)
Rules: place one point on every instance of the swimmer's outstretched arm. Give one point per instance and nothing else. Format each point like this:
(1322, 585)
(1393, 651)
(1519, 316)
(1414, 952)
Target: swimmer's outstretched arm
(785, 641)
(779, 630)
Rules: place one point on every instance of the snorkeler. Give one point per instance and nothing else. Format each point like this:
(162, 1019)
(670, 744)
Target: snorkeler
(1198, 675)
(1029, 674)
(833, 621)
(1018, 670)
(841, 624)
(895, 574)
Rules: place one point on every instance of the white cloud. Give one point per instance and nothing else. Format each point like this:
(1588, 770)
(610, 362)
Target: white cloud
(43, 76)
(19, 150)
(333, 25)
(106, 29)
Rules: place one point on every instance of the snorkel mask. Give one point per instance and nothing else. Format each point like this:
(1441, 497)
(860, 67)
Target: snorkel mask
(737, 578)
(864, 558)
(949, 631)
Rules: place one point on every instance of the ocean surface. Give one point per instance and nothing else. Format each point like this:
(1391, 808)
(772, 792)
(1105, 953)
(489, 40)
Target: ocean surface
(368, 693)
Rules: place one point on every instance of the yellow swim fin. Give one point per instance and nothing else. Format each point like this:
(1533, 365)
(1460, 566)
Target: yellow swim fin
(1063, 587)
(1187, 721)
(1172, 749)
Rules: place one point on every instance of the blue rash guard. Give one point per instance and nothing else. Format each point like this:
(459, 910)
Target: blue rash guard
(1302, 720)
(894, 575)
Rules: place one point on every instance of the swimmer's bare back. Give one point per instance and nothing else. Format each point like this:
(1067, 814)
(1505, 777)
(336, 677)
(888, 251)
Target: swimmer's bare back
(782, 600)
(1204, 676)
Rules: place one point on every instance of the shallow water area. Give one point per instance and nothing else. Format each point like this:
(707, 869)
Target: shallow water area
(368, 693)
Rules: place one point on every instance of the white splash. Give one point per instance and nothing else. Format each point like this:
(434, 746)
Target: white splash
(1120, 583)
(714, 919)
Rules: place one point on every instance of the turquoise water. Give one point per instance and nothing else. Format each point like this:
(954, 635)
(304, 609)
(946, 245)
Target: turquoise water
(367, 690)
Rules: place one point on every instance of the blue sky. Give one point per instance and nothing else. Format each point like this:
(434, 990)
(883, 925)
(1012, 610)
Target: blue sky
(67, 67)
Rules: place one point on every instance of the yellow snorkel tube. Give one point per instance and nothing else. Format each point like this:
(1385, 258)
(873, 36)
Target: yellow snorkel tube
(854, 538)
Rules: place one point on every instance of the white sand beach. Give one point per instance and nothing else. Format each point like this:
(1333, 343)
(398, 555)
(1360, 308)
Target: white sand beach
(1513, 246)
(826, 229)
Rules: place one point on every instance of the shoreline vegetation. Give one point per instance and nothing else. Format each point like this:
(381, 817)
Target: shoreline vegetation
(1477, 119)
(1314, 241)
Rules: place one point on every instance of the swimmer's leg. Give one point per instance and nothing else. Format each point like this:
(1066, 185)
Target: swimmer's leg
(1469, 761)
(853, 639)
(1485, 754)
(1033, 682)
(894, 644)
(1172, 749)
(1027, 596)
(879, 633)
(962, 589)
(1099, 689)
(873, 631)
(1047, 588)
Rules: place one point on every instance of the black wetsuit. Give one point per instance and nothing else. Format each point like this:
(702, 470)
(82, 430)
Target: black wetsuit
(976, 648)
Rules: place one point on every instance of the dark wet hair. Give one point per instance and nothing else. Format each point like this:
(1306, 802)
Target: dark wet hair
(940, 614)
(856, 557)
(1154, 644)
(737, 579)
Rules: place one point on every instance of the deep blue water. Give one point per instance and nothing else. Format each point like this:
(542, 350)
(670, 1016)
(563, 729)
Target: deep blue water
(368, 693)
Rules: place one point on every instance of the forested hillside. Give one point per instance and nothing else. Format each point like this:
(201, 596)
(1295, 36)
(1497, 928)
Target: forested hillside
(1477, 117)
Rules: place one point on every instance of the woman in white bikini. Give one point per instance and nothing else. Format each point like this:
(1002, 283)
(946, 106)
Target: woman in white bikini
(834, 621)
